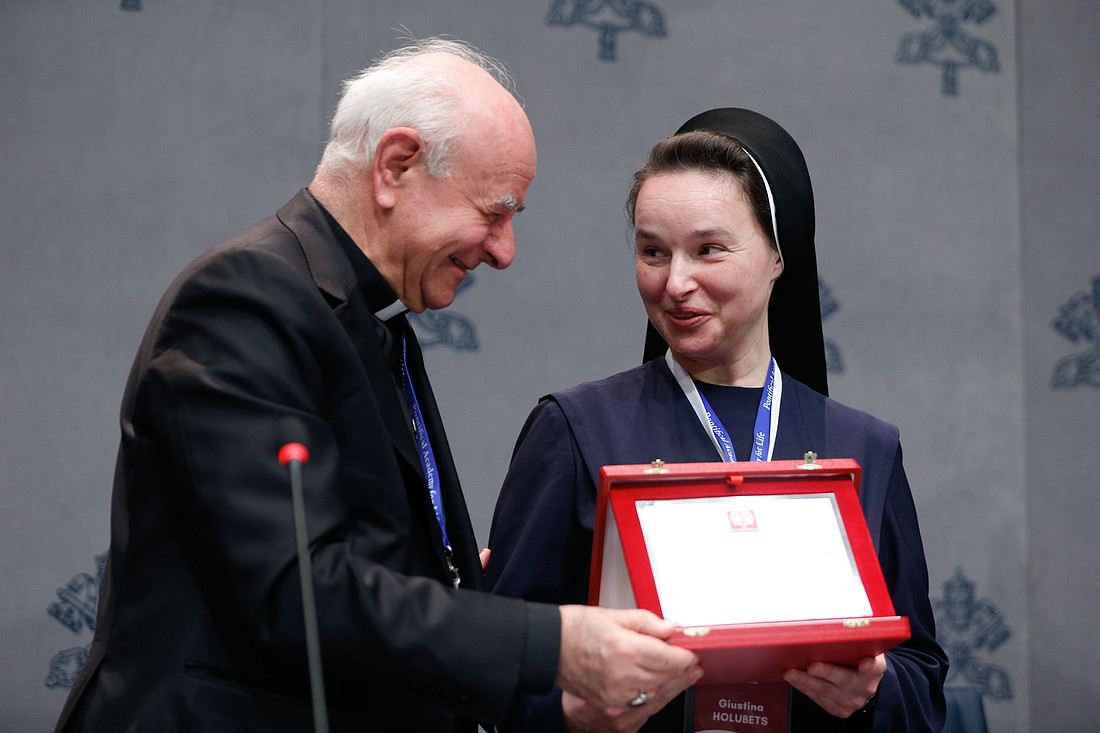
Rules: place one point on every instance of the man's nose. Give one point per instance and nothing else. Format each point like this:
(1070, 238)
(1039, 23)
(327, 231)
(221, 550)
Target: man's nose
(500, 247)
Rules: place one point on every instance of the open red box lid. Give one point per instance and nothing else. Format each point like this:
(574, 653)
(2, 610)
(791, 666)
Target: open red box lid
(764, 566)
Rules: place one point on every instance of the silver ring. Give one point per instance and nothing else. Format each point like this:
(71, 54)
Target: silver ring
(639, 701)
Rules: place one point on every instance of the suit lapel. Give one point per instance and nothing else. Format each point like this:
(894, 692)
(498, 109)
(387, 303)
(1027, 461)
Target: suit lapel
(335, 278)
(358, 321)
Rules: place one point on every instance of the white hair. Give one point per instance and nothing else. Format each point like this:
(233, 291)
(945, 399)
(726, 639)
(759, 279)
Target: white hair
(392, 92)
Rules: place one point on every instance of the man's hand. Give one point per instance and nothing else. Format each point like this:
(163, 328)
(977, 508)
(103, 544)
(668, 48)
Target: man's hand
(580, 717)
(609, 657)
(839, 690)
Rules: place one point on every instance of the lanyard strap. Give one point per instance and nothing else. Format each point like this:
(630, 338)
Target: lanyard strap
(767, 414)
(427, 460)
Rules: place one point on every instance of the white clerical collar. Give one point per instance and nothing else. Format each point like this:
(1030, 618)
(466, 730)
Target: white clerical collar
(395, 308)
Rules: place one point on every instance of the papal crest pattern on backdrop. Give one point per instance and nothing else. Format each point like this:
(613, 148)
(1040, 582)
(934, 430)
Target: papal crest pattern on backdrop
(946, 43)
(75, 609)
(834, 360)
(1078, 320)
(609, 18)
(447, 328)
(969, 627)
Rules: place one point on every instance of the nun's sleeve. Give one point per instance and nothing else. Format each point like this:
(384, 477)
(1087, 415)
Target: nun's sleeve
(911, 694)
(541, 537)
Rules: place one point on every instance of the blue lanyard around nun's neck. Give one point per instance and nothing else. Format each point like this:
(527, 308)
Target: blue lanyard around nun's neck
(767, 414)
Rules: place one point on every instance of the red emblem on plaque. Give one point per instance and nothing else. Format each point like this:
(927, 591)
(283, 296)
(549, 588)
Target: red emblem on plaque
(742, 521)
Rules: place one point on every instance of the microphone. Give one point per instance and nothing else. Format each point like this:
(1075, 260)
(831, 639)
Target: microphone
(292, 454)
(292, 436)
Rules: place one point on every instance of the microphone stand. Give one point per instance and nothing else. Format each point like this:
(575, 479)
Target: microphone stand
(293, 454)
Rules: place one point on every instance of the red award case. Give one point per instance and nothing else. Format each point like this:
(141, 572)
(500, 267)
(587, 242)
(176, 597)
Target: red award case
(764, 566)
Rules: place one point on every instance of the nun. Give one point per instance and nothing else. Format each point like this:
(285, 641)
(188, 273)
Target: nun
(733, 370)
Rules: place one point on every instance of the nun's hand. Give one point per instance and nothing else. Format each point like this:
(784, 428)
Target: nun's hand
(839, 690)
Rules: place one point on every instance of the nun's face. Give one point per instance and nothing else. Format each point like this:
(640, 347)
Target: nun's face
(705, 270)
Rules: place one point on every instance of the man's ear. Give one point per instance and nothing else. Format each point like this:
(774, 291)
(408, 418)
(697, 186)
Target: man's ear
(399, 150)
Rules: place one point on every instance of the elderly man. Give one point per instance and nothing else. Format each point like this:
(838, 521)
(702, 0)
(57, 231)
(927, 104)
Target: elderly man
(200, 625)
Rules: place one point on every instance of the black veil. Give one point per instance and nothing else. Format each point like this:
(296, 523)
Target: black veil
(794, 313)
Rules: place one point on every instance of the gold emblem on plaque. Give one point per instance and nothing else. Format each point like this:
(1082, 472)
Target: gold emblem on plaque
(657, 466)
(810, 459)
(696, 631)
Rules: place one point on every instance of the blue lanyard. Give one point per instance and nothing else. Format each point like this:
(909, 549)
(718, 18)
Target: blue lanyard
(767, 413)
(427, 461)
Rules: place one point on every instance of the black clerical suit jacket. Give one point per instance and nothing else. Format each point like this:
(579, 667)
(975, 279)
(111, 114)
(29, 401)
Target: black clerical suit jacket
(200, 620)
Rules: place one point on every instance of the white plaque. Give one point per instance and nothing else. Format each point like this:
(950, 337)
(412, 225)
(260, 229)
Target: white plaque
(748, 559)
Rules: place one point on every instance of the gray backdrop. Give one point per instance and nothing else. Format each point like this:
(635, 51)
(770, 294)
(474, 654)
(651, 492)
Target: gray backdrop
(955, 183)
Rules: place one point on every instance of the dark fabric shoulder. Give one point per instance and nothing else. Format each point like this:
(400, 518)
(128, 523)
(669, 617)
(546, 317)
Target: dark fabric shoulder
(840, 431)
(633, 417)
(264, 249)
(618, 386)
(846, 429)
